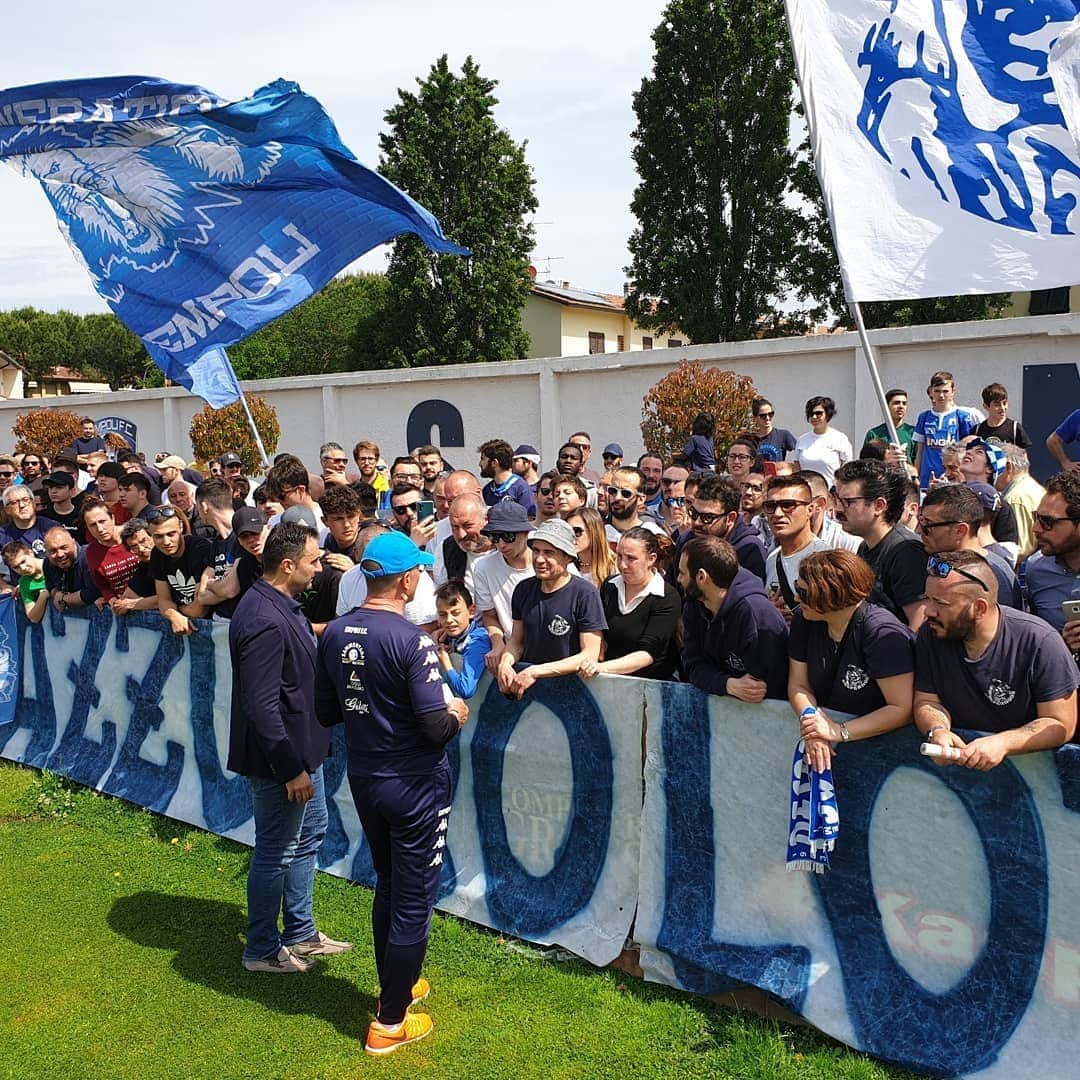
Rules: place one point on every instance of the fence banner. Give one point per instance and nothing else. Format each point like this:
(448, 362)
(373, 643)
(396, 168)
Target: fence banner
(944, 937)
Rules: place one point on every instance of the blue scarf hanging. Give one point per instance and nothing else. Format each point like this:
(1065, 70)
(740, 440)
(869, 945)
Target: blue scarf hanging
(815, 820)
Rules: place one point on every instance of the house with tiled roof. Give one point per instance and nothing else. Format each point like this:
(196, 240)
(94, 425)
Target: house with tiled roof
(563, 320)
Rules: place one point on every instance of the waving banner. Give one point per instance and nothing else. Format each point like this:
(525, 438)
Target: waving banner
(199, 219)
(942, 152)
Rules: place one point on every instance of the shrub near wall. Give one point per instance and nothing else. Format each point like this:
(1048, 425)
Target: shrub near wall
(45, 431)
(214, 432)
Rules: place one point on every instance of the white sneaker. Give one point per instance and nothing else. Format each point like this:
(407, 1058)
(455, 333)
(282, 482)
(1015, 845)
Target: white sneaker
(284, 963)
(320, 945)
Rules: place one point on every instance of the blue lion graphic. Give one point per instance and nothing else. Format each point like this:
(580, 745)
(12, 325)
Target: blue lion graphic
(999, 146)
(119, 196)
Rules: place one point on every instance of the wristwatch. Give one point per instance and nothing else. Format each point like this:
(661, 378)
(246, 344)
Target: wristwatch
(845, 735)
(936, 727)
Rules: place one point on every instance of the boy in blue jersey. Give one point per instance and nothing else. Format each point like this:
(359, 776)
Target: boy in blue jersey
(945, 422)
(380, 675)
(460, 633)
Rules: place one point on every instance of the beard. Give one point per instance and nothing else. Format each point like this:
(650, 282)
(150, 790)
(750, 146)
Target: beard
(693, 592)
(960, 629)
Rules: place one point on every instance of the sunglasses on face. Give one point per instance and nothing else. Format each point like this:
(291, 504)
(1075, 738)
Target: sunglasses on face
(705, 519)
(336, 460)
(408, 508)
(579, 530)
(766, 415)
(544, 491)
(616, 492)
(926, 526)
(785, 506)
(942, 568)
(1046, 521)
(502, 537)
(25, 463)
(667, 481)
(675, 500)
(152, 514)
(7, 475)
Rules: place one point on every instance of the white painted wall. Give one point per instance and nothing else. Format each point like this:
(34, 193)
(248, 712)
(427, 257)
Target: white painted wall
(542, 401)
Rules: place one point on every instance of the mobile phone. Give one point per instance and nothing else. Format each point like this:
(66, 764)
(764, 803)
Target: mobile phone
(427, 509)
(1071, 610)
(768, 468)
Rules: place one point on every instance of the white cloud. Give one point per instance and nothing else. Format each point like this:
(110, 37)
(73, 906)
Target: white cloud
(566, 72)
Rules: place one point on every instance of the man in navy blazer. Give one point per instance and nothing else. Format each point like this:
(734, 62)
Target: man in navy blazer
(276, 742)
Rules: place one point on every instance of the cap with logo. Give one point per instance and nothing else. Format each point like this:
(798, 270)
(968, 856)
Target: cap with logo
(392, 553)
(248, 520)
(229, 459)
(989, 496)
(299, 515)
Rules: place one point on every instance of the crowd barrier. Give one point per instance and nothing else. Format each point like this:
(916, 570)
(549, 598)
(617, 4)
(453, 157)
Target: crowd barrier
(944, 937)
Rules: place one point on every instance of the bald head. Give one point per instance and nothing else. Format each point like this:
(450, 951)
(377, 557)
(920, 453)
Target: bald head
(468, 516)
(461, 482)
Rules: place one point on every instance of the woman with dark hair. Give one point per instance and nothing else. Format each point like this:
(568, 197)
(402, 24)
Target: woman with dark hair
(822, 449)
(774, 443)
(698, 451)
(642, 612)
(845, 654)
(595, 558)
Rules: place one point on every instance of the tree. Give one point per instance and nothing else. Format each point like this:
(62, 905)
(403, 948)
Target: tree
(213, 432)
(444, 148)
(817, 282)
(669, 408)
(106, 347)
(40, 340)
(46, 431)
(714, 235)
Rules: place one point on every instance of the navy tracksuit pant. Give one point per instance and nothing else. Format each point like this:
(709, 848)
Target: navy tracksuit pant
(405, 819)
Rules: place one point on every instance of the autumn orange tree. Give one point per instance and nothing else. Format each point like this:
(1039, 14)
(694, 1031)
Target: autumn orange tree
(46, 431)
(669, 408)
(214, 432)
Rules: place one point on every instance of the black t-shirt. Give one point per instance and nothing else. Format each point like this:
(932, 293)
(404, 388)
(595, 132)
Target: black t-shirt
(553, 621)
(899, 565)
(248, 571)
(72, 522)
(1010, 432)
(183, 574)
(1027, 662)
(142, 582)
(649, 627)
(877, 646)
(319, 600)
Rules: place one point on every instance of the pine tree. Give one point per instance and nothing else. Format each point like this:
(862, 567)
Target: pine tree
(445, 149)
(714, 234)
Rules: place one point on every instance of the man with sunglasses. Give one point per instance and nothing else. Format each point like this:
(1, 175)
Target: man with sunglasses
(988, 668)
(496, 574)
(9, 472)
(625, 498)
(1052, 574)
(30, 467)
(716, 513)
(405, 503)
(334, 462)
(787, 505)
(870, 501)
(178, 564)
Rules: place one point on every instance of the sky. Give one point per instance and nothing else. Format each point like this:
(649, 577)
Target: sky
(565, 72)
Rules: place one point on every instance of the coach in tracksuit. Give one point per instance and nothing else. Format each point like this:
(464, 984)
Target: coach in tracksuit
(380, 675)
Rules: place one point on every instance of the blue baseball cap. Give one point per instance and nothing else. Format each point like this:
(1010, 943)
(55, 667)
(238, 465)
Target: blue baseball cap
(613, 449)
(392, 553)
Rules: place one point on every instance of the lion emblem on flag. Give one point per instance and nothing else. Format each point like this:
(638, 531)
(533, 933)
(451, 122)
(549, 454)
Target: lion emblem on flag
(958, 98)
(120, 197)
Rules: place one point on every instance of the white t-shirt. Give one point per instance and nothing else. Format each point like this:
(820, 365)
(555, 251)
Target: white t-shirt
(493, 586)
(420, 610)
(648, 524)
(823, 453)
(791, 564)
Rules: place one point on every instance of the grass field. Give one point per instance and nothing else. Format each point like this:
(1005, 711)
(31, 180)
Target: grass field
(122, 959)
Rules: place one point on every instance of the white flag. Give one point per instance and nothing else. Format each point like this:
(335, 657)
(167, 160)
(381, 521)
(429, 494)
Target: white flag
(1065, 73)
(941, 149)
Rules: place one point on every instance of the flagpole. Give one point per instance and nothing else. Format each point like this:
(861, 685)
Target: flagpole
(254, 430)
(871, 363)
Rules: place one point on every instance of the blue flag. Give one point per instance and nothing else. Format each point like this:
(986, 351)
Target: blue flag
(199, 219)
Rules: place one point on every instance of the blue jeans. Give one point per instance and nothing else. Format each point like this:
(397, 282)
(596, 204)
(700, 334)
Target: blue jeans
(282, 874)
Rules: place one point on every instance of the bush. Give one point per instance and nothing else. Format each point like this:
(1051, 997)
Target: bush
(669, 408)
(45, 431)
(214, 432)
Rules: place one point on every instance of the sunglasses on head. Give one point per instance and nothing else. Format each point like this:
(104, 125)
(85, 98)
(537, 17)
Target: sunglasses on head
(1046, 521)
(504, 537)
(785, 506)
(616, 492)
(942, 568)
(163, 513)
(704, 518)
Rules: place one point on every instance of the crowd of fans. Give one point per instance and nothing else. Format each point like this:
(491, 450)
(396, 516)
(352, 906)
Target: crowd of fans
(932, 580)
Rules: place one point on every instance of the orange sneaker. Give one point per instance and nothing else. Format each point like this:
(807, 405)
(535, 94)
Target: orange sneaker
(385, 1040)
(421, 989)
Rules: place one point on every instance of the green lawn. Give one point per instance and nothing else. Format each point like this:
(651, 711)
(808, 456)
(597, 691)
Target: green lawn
(122, 959)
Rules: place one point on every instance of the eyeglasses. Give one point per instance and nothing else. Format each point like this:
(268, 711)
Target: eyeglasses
(675, 500)
(163, 513)
(406, 478)
(845, 503)
(1046, 521)
(817, 414)
(705, 519)
(753, 489)
(740, 457)
(336, 460)
(766, 415)
(785, 506)
(543, 491)
(942, 568)
(626, 493)
(504, 537)
(366, 460)
(579, 530)
(408, 508)
(926, 525)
